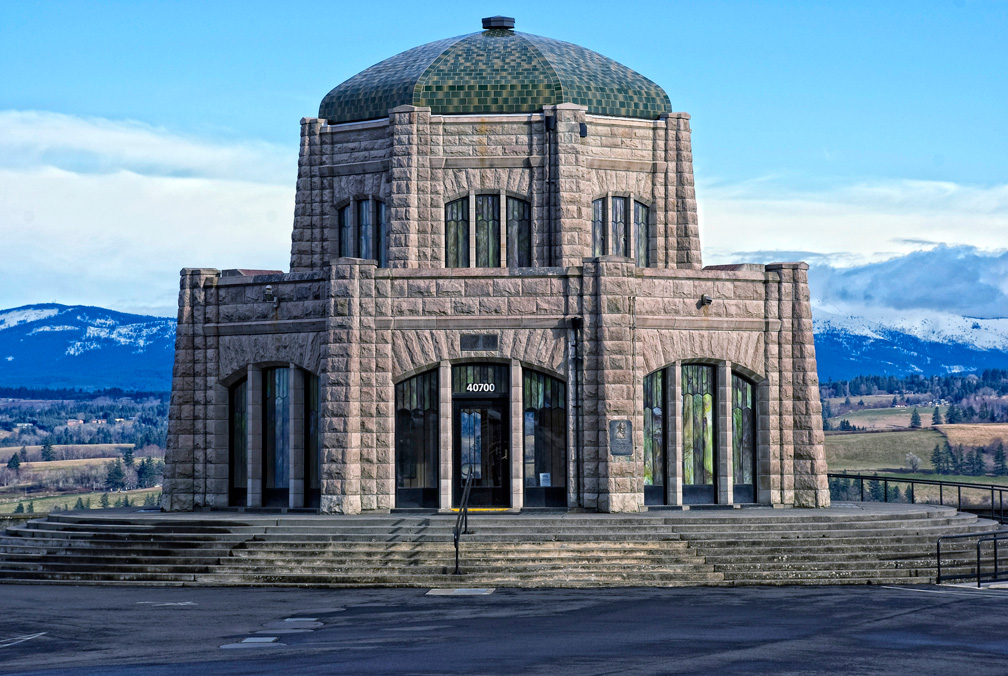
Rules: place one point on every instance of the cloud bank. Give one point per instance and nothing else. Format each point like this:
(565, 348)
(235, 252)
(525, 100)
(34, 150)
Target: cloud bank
(102, 212)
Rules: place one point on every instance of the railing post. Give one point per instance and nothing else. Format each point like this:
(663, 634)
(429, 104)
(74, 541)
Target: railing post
(911, 492)
(862, 488)
(959, 489)
(941, 494)
(885, 490)
(978, 561)
(992, 505)
(995, 558)
(938, 580)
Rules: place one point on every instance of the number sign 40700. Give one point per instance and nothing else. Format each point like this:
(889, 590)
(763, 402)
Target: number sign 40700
(481, 387)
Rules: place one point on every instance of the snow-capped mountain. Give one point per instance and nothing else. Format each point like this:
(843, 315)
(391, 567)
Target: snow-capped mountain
(884, 342)
(59, 346)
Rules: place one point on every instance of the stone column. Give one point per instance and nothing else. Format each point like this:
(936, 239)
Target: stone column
(296, 408)
(445, 432)
(306, 252)
(517, 438)
(725, 452)
(254, 429)
(674, 443)
(410, 237)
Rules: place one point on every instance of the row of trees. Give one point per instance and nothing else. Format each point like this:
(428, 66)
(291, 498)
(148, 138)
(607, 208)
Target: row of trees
(953, 387)
(958, 459)
(150, 500)
(874, 489)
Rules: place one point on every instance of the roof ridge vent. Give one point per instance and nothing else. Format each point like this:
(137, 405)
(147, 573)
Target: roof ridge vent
(504, 22)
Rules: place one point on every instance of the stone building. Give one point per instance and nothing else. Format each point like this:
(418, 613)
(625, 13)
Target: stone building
(495, 269)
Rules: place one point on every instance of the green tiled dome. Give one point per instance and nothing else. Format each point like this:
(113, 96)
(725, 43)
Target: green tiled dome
(495, 71)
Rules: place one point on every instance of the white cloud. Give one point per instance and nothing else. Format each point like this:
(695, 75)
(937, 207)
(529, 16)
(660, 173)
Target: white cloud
(117, 231)
(849, 225)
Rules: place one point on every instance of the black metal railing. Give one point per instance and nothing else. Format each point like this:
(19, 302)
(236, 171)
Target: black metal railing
(462, 521)
(993, 573)
(997, 493)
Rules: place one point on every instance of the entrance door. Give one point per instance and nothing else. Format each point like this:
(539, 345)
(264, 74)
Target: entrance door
(481, 432)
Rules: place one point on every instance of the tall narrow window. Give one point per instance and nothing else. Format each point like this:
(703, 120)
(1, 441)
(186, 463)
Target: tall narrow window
(346, 238)
(654, 438)
(698, 433)
(457, 233)
(642, 233)
(276, 435)
(381, 235)
(238, 443)
(312, 439)
(519, 220)
(620, 236)
(365, 238)
(488, 231)
(417, 441)
(598, 227)
(743, 439)
(545, 452)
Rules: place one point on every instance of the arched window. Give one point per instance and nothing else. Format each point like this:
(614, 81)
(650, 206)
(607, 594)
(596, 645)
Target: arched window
(599, 227)
(488, 232)
(620, 242)
(276, 436)
(362, 231)
(743, 438)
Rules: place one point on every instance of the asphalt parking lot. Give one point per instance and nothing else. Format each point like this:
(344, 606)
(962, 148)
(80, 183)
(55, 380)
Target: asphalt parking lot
(758, 630)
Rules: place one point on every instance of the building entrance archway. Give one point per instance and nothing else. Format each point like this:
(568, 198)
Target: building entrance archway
(481, 433)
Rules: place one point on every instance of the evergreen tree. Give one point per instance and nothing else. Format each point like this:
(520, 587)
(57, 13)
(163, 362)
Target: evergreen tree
(19, 509)
(31, 507)
(876, 490)
(1000, 468)
(915, 420)
(47, 451)
(115, 478)
(14, 463)
(80, 504)
(103, 502)
(936, 417)
(938, 459)
(128, 456)
(118, 502)
(957, 456)
(894, 493)
(978, 462)
(954, 415)
(24, 453)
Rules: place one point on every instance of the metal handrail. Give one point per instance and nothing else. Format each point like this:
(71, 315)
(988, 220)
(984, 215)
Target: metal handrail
(997, 509)
(985, 536)
(462, 521)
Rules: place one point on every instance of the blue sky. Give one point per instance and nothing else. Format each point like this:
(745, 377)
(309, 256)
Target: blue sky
(865, 137)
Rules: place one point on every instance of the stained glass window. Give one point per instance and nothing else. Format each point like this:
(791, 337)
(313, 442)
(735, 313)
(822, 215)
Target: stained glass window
(346, 238)
(488, 235)
(698, 424)
(545, 430)
(620, 237)
(743, 430)
(642, 233)
(457, 233)
(598, 227)
(276, 428)
(381, 235)
(519, 219)
(654, 430)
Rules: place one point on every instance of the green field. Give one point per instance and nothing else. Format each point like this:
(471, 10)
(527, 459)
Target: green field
(886, 418)
(880, 451)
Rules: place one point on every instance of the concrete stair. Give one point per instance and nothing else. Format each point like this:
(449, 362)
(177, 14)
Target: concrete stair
(890, 544)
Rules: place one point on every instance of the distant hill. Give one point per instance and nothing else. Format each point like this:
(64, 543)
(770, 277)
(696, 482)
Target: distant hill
(904, 344)
(60, 346)
(78, 347)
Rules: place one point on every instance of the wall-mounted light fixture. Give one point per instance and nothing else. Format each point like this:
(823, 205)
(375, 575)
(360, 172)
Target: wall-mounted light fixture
(271, 297)
(706, 300)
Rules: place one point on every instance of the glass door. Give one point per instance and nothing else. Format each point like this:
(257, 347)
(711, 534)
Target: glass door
(481, 448)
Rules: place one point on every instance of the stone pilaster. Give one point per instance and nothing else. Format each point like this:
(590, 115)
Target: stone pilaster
(687, 231)
(306, 236)
(406, 125)
(340, 404)
(185, 456)
(571, 209)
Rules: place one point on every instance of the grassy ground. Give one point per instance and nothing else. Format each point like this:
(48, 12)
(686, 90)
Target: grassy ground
(885, 418)
(975, 435)
(85, 450)
(47, 503)
(880, 451)
(868, 399)
(56, 465)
